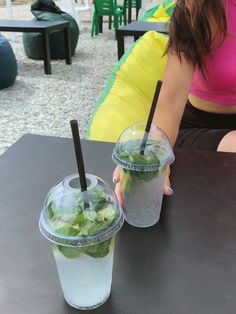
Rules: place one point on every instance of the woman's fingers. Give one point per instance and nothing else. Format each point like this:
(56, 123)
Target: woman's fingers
(116, 175)
(118, 193)
(167, 189)
(116, 181)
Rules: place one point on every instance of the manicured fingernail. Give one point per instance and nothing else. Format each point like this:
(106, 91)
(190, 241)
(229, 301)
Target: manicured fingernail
(114, 180)
(170, 190)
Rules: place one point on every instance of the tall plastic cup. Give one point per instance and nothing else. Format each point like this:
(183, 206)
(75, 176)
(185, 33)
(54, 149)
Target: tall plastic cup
(142, 175)
(81, 228)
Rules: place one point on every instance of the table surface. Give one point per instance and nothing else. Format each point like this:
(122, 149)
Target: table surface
(183, 265)
(31, 24)
(145, 26)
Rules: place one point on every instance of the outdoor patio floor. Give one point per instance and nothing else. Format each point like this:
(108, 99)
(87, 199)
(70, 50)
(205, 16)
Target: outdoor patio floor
(44, 104)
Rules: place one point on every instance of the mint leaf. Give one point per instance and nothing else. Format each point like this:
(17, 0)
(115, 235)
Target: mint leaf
(130, 152)
(98, 250)
(68, 217)
(101, 204)
(69, 252)
(144, 175)
(78, 219)
(108, 213)
(90, 214)
(99, 200)
(50, 211)
(69, 231)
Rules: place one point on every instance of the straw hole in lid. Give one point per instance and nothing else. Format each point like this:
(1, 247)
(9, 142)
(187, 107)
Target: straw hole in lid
(75, 183)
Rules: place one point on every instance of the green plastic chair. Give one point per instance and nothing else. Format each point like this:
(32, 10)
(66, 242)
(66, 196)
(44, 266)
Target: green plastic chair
(111, 9)
(135, 7)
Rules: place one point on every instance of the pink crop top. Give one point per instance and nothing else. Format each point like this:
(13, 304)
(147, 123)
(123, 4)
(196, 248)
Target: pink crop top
(219, 84)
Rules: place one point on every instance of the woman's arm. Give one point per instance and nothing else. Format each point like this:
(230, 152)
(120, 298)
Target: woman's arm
(170, 106)
(173, 96)
(171, 103)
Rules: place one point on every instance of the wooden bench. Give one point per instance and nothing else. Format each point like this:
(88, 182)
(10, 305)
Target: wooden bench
(45, 28)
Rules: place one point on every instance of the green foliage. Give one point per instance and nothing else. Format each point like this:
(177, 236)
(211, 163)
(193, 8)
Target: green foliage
(74, 221)
(130, 152)
(99, 250)
(69, 252)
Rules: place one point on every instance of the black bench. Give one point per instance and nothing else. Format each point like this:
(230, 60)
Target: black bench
(45, 28)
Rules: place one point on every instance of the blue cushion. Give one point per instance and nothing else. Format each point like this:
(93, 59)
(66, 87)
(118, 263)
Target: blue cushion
(8, 64)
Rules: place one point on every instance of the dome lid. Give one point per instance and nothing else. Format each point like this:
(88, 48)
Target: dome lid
(157, 153)
(67, 220)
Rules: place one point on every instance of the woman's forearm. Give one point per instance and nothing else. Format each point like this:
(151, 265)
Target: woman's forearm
(169, 126)
(168, 121)
(173, 96)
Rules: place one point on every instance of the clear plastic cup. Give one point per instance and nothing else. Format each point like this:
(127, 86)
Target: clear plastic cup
(142, 175)
(81, 228)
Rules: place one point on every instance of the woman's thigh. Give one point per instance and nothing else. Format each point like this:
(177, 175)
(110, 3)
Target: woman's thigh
(228, 143)
(207, 139)
(208, 131)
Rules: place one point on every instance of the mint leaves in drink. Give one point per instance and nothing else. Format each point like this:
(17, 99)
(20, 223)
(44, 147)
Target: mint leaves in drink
(67, 217)
(130, 156)
(97, 250)
(137, 168)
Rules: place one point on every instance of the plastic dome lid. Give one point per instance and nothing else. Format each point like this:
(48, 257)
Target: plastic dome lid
(66, 220)
(158, 152)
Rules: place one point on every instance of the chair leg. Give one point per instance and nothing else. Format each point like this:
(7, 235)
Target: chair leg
(93, 25)
(116, 21)
(100, 23)
(125, 18)
(109, 22)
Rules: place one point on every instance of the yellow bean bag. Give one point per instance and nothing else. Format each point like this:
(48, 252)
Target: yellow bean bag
(159, 13)
(129, 91)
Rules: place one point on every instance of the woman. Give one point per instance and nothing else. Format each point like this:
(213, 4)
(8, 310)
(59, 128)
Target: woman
(197, 103)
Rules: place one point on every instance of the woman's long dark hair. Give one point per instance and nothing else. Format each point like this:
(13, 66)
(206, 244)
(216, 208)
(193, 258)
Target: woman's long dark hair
(190, 28)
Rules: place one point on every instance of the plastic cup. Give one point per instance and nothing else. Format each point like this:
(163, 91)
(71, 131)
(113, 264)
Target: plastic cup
(82, 238)
(142, 175)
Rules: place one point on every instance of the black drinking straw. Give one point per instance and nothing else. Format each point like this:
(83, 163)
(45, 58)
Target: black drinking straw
(79, 160)
(150, 117)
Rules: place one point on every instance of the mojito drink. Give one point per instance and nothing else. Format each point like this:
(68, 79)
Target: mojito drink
(82, 238)
(85, 280)
(135, 191)
(142, 174)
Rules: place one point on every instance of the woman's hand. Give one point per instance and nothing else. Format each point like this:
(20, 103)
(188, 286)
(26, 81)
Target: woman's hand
(116, 180)
(167, 189)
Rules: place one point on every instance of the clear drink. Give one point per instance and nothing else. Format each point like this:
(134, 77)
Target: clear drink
(82, 234)
(143, 193)
(85, 280)
(142, 172)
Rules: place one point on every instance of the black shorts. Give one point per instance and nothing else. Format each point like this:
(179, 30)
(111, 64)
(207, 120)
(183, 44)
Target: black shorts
(203, 130)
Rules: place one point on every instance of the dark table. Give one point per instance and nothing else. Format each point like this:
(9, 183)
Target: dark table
(183, 265)
(45, 28)
(137, 29)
